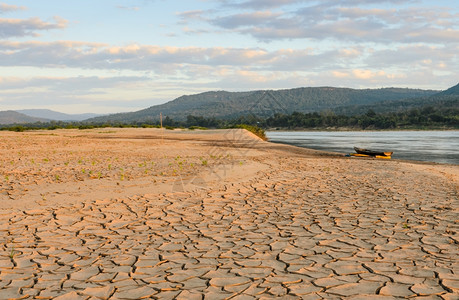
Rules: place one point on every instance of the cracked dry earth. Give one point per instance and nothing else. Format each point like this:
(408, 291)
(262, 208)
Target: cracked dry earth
(304, 227)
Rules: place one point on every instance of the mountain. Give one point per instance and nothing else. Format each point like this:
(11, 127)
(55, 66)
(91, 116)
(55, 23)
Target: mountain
(448, 99)
(12, 117)
(227, 105)
(54, 115)
(452, 91)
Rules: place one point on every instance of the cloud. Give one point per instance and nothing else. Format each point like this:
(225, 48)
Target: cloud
(368, 74)
(246, 19)
(415, 56)
(162, 60)
(68, 85)
(28, 27)
(348, 21)
(260, 4)
(130, 8)
(264, 4)
(7, 8)
(162, 73)
(352, 43)
(108, 94)
(191, 15)
(173, 61)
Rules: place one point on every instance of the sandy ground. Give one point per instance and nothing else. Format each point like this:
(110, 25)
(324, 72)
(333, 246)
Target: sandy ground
(145, 213)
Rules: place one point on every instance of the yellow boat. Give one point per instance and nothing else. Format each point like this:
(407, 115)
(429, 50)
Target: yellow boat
(372, 152)
(366, 155)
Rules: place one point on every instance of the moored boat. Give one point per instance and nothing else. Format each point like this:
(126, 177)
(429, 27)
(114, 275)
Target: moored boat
(365, 155)
(367, 152)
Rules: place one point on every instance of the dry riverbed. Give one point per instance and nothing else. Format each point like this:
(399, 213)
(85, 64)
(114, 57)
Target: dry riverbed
(147, 213)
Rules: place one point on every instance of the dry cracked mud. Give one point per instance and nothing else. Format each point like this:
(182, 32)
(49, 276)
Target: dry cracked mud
(298, 226)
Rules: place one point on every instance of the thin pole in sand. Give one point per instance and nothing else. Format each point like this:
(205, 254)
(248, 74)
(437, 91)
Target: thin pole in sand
(161, 122)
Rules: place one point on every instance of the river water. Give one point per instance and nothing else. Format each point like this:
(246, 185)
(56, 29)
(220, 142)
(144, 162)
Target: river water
(434, 146)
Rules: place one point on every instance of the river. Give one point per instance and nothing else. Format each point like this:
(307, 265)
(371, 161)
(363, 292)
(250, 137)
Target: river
(434, 146)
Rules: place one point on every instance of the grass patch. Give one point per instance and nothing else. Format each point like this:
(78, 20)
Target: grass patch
(253, 129)
(197, 128)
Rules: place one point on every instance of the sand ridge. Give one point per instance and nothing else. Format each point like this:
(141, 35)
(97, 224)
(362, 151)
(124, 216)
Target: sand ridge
(145, 213)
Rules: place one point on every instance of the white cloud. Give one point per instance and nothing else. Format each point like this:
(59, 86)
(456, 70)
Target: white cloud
(185, 62)
(170, 61)
(28, 27)
(8, 7)
(412, 56)
(81, 85)
(109, 94)
(350, 43)
(262, 4)
(345, 21)
(129, 8)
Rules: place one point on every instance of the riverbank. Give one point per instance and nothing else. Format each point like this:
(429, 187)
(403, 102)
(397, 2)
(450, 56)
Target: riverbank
(137, 213)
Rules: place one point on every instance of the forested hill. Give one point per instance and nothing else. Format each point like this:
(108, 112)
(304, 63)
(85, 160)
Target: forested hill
(440, 101)
(228, 105)
(452, 91)
(12, 117)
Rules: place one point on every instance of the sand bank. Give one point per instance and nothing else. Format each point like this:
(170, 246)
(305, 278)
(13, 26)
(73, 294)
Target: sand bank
(139, 213)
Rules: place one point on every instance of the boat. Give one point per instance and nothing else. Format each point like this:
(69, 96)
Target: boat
(372, 153)
(364, 155)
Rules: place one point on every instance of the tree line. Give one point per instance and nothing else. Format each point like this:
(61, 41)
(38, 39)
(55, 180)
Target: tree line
(425, 118)
(428, 117)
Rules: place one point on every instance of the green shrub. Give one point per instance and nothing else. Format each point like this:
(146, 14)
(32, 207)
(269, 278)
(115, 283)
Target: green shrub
(17, 128)
(253, 129)
(197, 127)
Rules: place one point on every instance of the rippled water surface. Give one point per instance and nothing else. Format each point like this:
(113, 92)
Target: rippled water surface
(435, 146)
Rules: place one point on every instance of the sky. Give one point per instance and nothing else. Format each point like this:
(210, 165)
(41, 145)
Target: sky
(109, 56)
